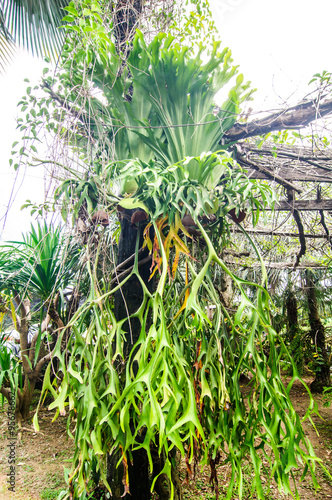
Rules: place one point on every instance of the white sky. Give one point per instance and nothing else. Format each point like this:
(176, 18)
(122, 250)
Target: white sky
(278, 45)
(16, 187)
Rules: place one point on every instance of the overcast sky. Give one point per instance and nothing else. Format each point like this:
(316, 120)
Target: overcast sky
(16, 187)
(278, 45)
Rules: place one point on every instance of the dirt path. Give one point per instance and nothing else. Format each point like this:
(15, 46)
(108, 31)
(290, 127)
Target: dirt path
(40, 459)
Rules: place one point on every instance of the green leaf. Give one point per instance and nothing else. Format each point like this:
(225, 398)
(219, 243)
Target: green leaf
(131, 203)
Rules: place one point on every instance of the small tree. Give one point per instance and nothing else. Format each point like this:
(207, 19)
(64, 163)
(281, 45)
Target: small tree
(38, 268)
(317, 332)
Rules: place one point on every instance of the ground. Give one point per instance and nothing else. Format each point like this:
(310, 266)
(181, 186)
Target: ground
(41, 459)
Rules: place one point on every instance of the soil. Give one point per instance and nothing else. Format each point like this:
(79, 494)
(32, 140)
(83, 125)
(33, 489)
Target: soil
(42, 457)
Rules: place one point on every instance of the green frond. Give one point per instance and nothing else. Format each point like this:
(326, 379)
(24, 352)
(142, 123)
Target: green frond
(33, 25)
(7, 51)
(37, 263)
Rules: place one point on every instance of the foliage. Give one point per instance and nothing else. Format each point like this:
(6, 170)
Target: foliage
(154, 140)
(50, 494)
(10, 367)
(36, 264)
(185, 391)
(327, 395)
(211, 184)
(33, 25)
(194, 23)
(169, 129)
(40, 267)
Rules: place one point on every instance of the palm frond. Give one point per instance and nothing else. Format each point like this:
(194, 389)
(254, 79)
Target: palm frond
(33, 25)
(7, 50)
(38, 264)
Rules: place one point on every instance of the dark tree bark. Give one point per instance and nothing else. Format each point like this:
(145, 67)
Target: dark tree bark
(126, 17)
(162, 485)
(317, 332)
(292, 118)
(127, 301)
(292, 316)
(129, 298)
(294, 333)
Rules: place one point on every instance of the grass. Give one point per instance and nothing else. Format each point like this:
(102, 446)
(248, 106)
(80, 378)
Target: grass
(49, 494)
(53, 479)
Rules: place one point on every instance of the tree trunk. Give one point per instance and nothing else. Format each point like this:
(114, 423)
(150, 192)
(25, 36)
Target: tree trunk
(292, 317)
(24, 399)
(127, 300)
(227, 291)
(138, 472)
(162, 485)
(317, 332)
(126, 15)
(294, 334)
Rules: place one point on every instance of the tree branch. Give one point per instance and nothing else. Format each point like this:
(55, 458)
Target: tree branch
(5, 391)
(127, 261)
(77, 114)
(53, 313)
(23, 331)
(271, 175)
(44, 326)
(124, 273)
(307, 205)
(297, 218)
(43, 361)
(298, 116)
(281, 234)
(288, 154)
(288, 265)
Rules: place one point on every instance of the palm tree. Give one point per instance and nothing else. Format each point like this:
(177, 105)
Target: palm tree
(33, 25)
